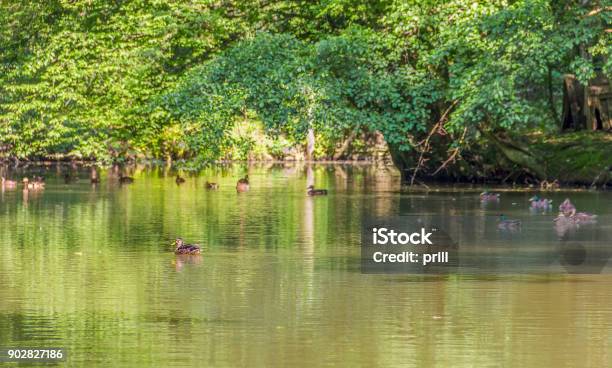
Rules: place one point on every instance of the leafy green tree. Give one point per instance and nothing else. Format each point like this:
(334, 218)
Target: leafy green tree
(77, 73)
(498, 65)
(341, 83)
(115, 80)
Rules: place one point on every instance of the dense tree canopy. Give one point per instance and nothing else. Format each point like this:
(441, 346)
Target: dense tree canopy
(108, 80)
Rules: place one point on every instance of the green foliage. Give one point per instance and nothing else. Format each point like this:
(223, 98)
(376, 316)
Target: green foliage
(76, 74)
(169, 79)
(340, 83)
(497, 60)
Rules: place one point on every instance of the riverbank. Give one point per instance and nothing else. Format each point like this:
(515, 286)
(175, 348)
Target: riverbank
(583, 158)
(579, 160)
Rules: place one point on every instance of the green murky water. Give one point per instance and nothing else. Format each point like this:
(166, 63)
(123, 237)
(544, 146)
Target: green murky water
(91, 269)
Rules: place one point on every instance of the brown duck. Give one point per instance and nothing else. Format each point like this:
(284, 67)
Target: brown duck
(311, 191)
(179, 180)
(126, 180)
(8, 184)
(38, 184)
(212, 186)
(182, 248)
(93, 176)
(243, 184)
(70, 178)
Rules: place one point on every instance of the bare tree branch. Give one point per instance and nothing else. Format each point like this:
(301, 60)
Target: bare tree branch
(437, 127)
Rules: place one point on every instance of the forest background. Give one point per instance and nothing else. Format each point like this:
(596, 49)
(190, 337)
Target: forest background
(446, 89)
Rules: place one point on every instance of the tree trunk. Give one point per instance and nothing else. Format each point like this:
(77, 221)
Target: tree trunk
(310, 146)
(517, 154)
(587, 111)
(346, 144)
(403, 161)
(573, 104)
(551, 97)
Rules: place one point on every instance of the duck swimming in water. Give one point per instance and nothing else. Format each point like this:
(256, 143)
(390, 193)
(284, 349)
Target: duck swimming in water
(311, 191)
(540, 203)
(487, 196)
(508, 224)
(179, 180)
(70, 177)
(568, 215)
(93, 176)
(212, 186)
(8, 184)
(38, 184)
(126, 180)
(243, 184)
(182, 248)
(566, 208)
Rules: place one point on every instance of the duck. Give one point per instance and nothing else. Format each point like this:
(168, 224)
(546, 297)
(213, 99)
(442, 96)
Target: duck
(508, 224)
(126, 180)
(179, 180)
(8, 184)
(585, 218)
(568, 214)
(182, 248)
(212, 186)
(70, 178)
(546, 185)
(39, 182)
(33, 185)
(567, 208)
(243, 184)
(311, 191)
(487, 196)
(93, 177)
(540, 203)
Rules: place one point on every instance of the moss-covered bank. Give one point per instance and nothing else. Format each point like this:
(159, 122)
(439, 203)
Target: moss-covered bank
(579, 158)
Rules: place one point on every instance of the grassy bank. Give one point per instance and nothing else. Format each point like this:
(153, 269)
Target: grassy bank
(583, 158)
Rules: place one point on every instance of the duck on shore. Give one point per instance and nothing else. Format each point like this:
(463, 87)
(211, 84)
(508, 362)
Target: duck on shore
(212, 186)
(182, 248)
(488, 196)
(546, 185)
(8, 184)
(243, 184)
(505, 223)
(311, 191)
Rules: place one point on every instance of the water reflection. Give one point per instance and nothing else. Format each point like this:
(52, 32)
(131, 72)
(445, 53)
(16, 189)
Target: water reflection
(278, 283)
(181, 260)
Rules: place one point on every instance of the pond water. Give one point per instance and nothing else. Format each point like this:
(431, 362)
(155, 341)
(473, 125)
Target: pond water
(91, 269)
